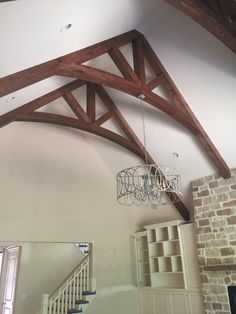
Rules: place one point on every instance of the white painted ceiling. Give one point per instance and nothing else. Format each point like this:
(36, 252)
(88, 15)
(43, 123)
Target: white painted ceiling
(203, 69)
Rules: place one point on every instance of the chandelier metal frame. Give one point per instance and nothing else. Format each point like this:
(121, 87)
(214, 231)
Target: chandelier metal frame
(148, 184)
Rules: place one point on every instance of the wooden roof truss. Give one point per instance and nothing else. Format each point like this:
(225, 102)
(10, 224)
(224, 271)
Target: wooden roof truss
(133, 81)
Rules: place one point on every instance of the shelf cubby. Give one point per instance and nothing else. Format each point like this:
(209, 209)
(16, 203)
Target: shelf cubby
(164, 264)
(171, 248)
(162, 234)
(173, 233)
(176, 264)
(156, 249)
(167, 280)
(154, 265)
(152, 235)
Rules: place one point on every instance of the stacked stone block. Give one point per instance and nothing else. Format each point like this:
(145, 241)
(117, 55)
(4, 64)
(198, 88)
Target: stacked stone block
(215, 221)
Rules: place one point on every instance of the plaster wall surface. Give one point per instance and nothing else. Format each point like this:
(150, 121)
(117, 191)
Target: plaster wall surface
(54, 188)
(42, 267)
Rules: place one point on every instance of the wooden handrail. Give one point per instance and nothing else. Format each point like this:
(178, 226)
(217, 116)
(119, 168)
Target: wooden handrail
(74, 269)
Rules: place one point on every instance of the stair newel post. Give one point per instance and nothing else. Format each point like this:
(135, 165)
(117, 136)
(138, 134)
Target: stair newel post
(87, 276)
(45, 302)
(90, 268)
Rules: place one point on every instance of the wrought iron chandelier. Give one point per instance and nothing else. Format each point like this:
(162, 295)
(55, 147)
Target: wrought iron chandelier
(148, 184)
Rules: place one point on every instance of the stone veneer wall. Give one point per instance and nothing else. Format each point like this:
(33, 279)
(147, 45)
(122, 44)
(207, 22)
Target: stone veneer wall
(215, 221)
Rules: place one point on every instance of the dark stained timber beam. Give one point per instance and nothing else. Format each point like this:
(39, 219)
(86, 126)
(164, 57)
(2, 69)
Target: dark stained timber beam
(119, 118)
(157, 81)
(122, 64)
(38, 103)
(16, 81)
(75, 106)
(101, 77)
(197, 129)
(74, 123)
(91, 106)
(101, 48)
(138, 59)
(108, 115)
(203, 16)
(21, 79)
(158, 102)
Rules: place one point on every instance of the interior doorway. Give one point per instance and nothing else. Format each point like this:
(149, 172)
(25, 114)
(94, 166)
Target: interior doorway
(8, 278)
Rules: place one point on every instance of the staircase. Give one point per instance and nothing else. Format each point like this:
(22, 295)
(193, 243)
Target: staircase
(74, 294)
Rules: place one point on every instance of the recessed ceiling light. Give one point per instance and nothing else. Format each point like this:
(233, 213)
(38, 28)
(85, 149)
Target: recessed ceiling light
(175, 155)
(65, 28)
(11, 99)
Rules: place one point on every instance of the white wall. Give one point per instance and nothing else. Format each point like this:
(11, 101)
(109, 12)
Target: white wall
(53, 187)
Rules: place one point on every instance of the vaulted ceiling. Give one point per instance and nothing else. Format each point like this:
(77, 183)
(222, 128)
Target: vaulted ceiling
(171, 124)
(216, 16)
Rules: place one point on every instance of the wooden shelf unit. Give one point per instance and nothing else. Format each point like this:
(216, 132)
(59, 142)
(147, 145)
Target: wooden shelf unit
(164, 249)
(163, 253)
(173, 281)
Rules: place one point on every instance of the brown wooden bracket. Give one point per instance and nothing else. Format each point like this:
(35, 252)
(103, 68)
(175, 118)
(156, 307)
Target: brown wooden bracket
(201, 14)
(133, 81)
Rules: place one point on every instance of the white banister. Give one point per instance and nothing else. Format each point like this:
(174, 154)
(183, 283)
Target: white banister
(71, 290)
(45, 302)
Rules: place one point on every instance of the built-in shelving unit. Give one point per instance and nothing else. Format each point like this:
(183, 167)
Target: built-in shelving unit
(167, 268)
(159, 256)
(164, 256)
(142, 258)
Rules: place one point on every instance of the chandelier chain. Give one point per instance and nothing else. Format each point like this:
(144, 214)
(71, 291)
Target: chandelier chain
(144, 132)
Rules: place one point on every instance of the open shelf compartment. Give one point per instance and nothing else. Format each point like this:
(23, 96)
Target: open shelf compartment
(173, 232)
(167, 280)
(152, 235)
(176, 264)
(156, 250)
(171, 248)
(164, 264)
(162, 234)
(154, 265)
